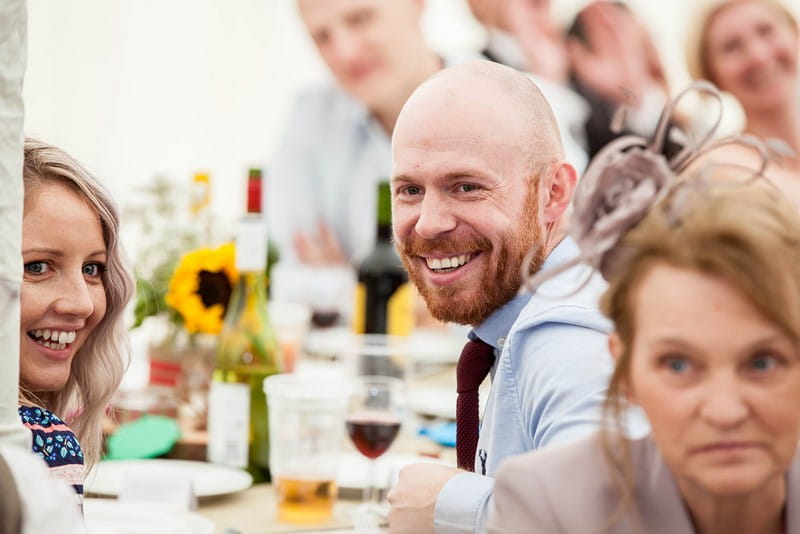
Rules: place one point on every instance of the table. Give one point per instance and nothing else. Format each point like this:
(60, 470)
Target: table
(254, 511)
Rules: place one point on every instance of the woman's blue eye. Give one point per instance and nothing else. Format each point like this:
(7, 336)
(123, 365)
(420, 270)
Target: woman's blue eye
(763, 363)
(93, 269)
(36, 267)
(677, 365)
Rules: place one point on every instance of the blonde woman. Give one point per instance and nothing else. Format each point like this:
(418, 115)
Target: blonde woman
(704, 294)
(76, 283)
(749, 49)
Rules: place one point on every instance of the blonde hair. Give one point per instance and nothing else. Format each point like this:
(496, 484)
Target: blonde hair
(98, 366)
(696, 37)
(748, 235)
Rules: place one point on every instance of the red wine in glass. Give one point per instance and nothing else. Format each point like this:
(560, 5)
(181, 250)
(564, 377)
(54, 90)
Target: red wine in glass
(373, 422)
(372, 434)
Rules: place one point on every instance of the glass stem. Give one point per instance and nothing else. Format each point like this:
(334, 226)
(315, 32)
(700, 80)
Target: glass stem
(372, 485)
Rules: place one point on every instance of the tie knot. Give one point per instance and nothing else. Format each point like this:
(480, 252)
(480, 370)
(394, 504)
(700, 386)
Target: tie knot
(474, 364)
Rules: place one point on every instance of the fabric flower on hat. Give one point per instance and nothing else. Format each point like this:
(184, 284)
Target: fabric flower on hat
(627, 178)
(614, 196)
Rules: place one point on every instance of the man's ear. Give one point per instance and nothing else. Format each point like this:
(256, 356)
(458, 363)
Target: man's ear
(557, 189)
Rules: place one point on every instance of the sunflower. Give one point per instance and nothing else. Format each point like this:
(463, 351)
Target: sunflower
(201, 286)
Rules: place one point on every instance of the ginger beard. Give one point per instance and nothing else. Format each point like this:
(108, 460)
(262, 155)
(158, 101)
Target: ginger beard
(460, 303)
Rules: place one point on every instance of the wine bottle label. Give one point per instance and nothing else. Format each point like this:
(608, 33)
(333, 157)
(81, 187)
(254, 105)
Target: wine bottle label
(228, 423)
(251, 244)
(399, 312)
(360, 309)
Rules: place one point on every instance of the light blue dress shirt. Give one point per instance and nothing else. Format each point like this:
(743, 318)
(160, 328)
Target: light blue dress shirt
(326, 168)
(333, 154)
(548, 383)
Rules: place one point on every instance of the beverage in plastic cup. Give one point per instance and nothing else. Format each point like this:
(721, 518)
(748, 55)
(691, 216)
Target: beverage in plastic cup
(291, 321)
(306, 430)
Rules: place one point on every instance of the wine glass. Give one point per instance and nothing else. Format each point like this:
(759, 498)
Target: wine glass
(373, 422)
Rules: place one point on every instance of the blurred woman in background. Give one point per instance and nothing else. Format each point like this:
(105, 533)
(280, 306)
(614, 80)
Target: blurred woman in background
(73, 343)
(749, 48)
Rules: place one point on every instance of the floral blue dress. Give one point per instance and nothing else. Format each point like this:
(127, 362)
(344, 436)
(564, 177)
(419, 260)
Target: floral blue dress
(56, 444)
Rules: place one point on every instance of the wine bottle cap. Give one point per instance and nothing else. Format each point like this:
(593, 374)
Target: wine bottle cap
(384, 203)
(254, 190)
(251, 244)
(200, 193)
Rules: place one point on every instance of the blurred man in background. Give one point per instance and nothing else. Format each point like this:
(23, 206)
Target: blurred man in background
(336, 146)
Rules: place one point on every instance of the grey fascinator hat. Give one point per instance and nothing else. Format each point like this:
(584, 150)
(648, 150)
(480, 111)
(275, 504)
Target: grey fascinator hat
(629, 176)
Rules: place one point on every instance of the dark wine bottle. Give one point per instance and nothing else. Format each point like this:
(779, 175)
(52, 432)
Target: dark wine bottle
(384, 297)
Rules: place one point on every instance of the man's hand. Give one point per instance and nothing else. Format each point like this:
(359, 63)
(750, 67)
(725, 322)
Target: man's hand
(618, 60)
(413, 498)
(319, 248)
(541, 41)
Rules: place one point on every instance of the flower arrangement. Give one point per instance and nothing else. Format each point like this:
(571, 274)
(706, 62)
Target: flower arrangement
(184, 283)
(201, 286)
(173, 243)
(178, 275)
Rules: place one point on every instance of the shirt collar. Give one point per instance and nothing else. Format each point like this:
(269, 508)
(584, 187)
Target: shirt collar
(495, 328)
(565, 251)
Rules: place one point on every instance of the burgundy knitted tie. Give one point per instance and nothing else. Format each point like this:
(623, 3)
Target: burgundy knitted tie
(474, 364)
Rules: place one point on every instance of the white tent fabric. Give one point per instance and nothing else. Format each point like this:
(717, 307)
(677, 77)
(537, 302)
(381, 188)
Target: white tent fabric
(13, 56)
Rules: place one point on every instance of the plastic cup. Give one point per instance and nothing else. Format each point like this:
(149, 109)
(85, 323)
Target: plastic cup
(291, 321)
(306, 431)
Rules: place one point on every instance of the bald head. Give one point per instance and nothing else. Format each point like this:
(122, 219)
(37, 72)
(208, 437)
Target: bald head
(482, 97)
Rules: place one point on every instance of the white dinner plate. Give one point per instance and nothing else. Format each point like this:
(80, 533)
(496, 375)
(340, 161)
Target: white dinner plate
(440, 401)
(353, 474)
(425, 346)
(109, 516)
(436, 346)
(208, 479)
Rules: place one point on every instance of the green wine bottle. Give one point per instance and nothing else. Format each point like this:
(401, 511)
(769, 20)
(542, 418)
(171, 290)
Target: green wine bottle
(384, 297)
(247, 352)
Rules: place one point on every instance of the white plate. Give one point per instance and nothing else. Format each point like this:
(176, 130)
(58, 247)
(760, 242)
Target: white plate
(436, 346)
(354, 469)
(207, 479)
(424, 345)
(109, 516)
(440, 401)
(435, 401)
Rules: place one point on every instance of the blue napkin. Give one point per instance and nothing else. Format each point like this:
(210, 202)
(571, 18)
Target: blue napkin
(444, 434)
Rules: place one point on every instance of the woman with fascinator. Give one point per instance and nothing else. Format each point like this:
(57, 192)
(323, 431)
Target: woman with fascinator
(704, 294)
